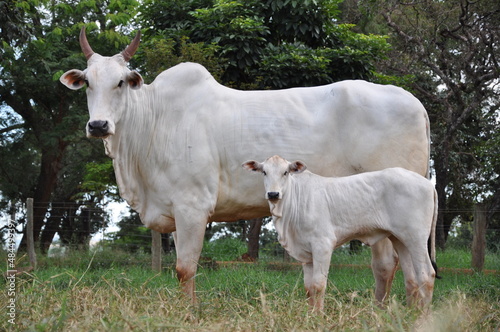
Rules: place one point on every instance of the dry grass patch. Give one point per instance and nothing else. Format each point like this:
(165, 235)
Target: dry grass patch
(241, 298)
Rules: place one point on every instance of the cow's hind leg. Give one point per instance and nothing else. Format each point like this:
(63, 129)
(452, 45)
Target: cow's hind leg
(384, 264)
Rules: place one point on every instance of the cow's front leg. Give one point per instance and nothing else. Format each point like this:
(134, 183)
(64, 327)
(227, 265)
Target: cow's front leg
(384, 264)
(190, 229)
(308, 277)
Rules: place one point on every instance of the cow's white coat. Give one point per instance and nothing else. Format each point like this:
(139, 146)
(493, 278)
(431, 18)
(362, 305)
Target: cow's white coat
(177, 144)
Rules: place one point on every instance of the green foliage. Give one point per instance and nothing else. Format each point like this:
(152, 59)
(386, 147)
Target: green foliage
(238, 30)
(290, 65)
(99, 177)
(132, 236)
(17, 150)
(159, 54)
(225, 249)
(445, 48)
(42, 45)
(271, 44)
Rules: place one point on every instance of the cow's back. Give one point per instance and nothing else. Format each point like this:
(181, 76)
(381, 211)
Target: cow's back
(340, 129)
(199, 132)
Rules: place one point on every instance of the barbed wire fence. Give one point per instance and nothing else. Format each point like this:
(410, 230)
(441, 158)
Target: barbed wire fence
(156, 245)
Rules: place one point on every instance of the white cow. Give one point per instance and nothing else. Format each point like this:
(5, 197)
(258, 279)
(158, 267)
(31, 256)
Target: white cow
(313, 215)
(177, 143)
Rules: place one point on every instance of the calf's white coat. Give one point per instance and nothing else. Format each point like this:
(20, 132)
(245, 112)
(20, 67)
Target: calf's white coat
(313, 215)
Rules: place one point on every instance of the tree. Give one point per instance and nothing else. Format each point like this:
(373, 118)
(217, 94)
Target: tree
(450, 51)
(261, 45)
(50, 118)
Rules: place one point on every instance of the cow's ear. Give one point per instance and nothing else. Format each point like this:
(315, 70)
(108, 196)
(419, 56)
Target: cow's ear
(252, 166)
(297, 167)
(134, 80)
(73, 79)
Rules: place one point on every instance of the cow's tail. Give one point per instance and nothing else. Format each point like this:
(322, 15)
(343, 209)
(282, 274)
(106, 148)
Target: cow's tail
(432, 242)
(428, 133)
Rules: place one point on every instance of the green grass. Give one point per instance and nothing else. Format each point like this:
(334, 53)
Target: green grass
(113, 291)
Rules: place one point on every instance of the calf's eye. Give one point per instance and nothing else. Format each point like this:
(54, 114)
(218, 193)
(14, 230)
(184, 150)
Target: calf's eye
(263, 172)
(120, 84)
(285, 174)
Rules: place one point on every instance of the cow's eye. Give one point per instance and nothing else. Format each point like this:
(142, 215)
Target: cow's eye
(264, 172)
(285, 174)
(120, 84)
(87, 82)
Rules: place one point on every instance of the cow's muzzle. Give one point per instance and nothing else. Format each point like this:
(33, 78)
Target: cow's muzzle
(273, 196)
(98, 129)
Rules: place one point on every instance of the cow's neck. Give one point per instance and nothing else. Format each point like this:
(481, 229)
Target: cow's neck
(136, 128)
(132, 146)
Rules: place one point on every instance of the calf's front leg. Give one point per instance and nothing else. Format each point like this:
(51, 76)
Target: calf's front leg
(316, 278)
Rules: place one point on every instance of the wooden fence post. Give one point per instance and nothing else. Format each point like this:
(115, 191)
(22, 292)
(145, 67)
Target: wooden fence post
(156, 251)
(30, 243)
(479, 237)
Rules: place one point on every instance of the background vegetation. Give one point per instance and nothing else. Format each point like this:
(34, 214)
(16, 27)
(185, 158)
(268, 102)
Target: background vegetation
(445, 52)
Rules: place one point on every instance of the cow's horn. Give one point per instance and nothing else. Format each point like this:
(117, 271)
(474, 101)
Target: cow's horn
(129, 52)
(84, 44)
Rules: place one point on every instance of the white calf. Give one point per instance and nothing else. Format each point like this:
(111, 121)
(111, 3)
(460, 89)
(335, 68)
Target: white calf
(313, 215)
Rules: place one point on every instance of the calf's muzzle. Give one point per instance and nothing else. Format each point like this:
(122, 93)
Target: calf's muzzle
(273, 195)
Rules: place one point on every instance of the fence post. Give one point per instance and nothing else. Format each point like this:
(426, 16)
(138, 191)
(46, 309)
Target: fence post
(479, 237)
(156, 251)
(30, 243)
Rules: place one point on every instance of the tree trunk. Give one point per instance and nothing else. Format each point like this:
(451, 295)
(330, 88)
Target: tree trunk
(441, 166)
(253, 237)
(355, 247)
(47, 181)
(48, 233)
(165, 242)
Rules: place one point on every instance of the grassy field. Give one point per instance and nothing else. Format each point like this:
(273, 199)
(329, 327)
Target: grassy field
(114, 291)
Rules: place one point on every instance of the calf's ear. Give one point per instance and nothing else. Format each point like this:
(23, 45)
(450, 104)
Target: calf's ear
(297, 167)
(252, 166)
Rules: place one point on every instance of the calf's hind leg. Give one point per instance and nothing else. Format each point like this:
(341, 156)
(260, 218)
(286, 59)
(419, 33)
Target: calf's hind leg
(411, 283)
(418, 271)
(384, 264)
